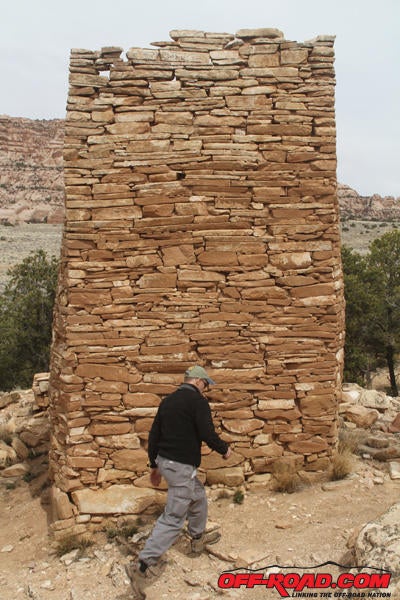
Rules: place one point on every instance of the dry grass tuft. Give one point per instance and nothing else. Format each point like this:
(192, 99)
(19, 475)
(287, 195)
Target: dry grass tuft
(351, 440)
(342, 464)
(71, 542)
(285, 477)
(124, 530)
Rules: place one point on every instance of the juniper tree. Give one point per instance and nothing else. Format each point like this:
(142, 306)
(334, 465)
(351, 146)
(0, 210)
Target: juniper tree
(26, 312)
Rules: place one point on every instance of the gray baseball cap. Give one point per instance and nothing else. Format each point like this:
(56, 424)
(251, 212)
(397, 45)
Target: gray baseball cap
(198, 372)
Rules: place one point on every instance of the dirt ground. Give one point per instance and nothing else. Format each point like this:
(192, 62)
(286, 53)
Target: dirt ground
(17, 242)
(303, 529)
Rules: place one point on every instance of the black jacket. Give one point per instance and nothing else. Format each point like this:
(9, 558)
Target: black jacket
(183, 421)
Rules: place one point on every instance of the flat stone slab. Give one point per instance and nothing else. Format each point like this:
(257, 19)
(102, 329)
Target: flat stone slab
(116, 499)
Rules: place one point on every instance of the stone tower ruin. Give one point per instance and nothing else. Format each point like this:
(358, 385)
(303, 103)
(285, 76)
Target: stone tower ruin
(201, 227)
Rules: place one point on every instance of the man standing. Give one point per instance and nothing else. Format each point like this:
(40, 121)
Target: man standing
(183, 421)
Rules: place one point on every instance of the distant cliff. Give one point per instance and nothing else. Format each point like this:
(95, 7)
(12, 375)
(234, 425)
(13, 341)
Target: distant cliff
(32, 187)
(31, 177)
(375, 207)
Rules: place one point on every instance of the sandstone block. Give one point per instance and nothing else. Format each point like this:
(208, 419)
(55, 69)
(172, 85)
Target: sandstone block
(360, 415)
(293, 57)
(310, 446)
(22, 451)
(241, 425)
(116, 499)
(215, 460)
(218, 258)
(264, 60)
(232, 476)
(313, 406)
(178, 255)
(61, 506)
(7, 455)
(17, 470)
(36, 431)
(132, 460)
(141, 399)
(85, 462)
(266, 32)
(291, 260)
(106, 429)
(127, 441)
(107, 372)
(157, 280)
(113, 475)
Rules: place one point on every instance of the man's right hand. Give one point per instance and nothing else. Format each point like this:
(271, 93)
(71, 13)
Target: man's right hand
(227, 454)
(155, 477)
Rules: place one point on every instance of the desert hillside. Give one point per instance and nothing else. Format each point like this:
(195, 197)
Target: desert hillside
(31, 177)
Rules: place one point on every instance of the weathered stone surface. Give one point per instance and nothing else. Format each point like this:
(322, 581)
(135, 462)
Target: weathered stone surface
(116, 499)
(360, 415)
(394, 470)
(293, 260)
(36, 431)
(394, 426)
(115, 475)
(126, 441)
(311, 446)
(133, 460)
(61, 506)
(22, 451)
(232, 476)
(312, 406)
(17, 470)
(109, 429)
(266, 32)
(7, 455)
(378, 542)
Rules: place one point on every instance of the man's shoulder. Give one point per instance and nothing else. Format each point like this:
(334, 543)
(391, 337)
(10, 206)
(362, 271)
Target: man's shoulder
(185, 391)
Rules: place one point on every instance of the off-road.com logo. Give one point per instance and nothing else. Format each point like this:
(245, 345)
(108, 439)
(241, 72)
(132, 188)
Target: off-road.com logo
(297, 583)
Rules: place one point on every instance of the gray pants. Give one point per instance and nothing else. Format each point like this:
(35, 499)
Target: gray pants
(186, 500)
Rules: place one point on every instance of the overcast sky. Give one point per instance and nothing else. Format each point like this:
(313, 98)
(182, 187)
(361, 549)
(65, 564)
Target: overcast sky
(36, 37)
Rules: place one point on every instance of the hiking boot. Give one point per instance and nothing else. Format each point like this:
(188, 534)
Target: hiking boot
(198, 545)
(139, 580)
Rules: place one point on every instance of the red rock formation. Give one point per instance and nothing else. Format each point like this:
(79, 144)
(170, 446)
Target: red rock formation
(31, 177)
(375, 207)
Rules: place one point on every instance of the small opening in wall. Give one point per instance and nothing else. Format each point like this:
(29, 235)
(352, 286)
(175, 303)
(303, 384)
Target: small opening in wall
(180, 175)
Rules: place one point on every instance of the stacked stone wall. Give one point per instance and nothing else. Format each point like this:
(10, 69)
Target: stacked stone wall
(201, 228)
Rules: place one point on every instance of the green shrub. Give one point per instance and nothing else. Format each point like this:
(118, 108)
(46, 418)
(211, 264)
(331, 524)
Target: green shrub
(238, 497)
(26, 315)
